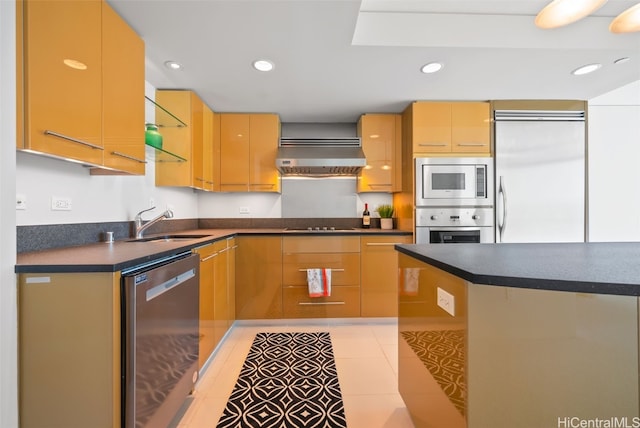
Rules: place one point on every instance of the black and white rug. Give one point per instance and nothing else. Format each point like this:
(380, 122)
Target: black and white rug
(288, 380)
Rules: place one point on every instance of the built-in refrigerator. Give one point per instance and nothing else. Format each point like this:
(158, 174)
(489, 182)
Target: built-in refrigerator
(540, 176)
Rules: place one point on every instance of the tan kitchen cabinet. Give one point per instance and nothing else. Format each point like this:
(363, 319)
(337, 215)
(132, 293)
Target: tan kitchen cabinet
(221, 291)
(339, 253)
(210, 150)
(471, 127)
(379, 267)
(258, 290)
(80, 94)
(448, 128)
(381, 136)
(207, 342)
(123, 95)
(62, 79)
(69, 350)
(248, 147)
(185, 141)
(231, 280)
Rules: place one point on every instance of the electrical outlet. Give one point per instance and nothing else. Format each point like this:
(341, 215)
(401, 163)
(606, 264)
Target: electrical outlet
(245, 210)
(21, 202)
(447, 302)
(152, 202)
(60, 204)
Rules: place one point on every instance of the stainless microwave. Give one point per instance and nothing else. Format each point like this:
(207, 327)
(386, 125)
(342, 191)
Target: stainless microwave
(454, 182)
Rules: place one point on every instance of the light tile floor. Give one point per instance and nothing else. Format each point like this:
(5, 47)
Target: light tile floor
(366, 357)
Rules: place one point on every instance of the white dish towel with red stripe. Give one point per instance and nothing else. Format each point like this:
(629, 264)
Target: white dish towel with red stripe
(319, 281)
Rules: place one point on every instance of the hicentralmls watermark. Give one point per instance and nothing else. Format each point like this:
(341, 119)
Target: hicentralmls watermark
(612, 422)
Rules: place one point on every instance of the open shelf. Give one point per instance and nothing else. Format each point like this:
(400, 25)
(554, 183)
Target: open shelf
(169, 120)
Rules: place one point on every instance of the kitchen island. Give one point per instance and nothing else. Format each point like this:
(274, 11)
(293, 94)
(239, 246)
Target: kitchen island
(519, 335)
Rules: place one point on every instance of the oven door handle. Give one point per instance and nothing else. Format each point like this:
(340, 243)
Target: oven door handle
(502, 192)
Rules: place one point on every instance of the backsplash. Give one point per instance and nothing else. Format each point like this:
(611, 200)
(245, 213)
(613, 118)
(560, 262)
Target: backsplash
(44, 237)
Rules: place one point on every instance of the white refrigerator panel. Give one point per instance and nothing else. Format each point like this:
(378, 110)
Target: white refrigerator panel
(540, 181)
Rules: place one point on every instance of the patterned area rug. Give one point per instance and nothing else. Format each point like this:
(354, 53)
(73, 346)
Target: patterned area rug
(288, 380)
(442, 353)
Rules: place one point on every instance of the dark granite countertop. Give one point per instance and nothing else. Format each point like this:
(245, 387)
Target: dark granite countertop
(601, 268)
(119, 255)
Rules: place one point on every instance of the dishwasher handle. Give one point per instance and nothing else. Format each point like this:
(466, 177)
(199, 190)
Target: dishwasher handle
(160, 289)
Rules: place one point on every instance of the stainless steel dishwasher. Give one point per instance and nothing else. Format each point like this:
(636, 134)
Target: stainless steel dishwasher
(160, 339)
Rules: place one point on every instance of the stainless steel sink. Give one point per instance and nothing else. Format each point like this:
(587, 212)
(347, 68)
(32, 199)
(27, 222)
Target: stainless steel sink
(168, 238)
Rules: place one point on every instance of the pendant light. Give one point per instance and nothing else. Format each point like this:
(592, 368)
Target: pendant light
(563, 12)
(627, 22)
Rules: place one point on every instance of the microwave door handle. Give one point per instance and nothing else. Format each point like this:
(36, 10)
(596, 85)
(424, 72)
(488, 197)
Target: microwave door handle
(502, 225)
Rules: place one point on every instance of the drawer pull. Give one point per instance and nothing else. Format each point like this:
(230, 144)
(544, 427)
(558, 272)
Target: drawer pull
(320, 303)
(433, 144)
(123, 155)
(471, 144)
(332, 270)
(382, 244)
(74, 140)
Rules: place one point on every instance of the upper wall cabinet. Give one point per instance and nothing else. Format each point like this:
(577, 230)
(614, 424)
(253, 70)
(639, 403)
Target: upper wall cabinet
(191, 138)
(248, 147)
(80, 95)
(123, 95)
(381, 136)
(449, 128)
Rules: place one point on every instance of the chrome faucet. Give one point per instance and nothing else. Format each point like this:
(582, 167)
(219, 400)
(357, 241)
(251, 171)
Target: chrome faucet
(140, 227)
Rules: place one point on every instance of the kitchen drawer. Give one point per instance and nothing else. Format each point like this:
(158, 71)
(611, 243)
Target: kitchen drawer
(345, 267)
(320, 244)
(344, 302)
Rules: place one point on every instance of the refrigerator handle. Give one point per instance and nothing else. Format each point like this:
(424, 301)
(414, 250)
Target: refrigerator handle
(502, 191)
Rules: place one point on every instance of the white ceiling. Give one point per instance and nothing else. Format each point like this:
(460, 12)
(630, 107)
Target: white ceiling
(335, 60)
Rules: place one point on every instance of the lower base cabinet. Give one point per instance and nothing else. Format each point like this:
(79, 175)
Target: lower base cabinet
(217, 294)
(69, 350)
(341, 254)
(380, 275)
(258, 291)
(344, 302)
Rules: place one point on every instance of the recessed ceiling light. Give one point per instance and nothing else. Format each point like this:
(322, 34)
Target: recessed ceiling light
(627, 22)
(622, 60)
(563, 12)
(586, 69)
(173, 65)
(263, 65)
(432, 67)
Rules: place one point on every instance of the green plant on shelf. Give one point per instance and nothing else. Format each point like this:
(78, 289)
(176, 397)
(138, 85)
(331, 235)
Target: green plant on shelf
(385, 211)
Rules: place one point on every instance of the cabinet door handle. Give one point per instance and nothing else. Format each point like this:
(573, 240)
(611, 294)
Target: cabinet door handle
(74, 140)
(379, 185)
(200, 179)
(382, 244)
(261, 184)
(471, 144)
(332, 270)
(320, 303)
(209, 257)
(433, 144)
(123, 155)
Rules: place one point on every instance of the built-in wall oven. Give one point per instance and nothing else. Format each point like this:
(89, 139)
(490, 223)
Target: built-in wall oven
(454, 225)
(454, 200)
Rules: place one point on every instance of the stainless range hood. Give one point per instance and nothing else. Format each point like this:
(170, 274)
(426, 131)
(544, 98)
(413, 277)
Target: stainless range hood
(319, 157)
